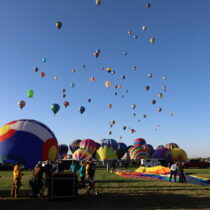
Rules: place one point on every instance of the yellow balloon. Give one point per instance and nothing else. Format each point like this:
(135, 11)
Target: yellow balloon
(108, 69)
(106, 153)
(55, 77)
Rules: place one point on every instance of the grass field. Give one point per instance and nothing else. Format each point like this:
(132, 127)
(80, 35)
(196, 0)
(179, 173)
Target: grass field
(116, 193)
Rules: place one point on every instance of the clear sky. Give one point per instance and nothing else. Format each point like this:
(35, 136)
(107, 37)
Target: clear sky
(181, 52)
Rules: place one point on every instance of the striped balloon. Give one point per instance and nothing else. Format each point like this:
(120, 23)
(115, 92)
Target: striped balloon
(89, 144)
(171, 146)
(82, 154)
(139, 142)
(110, 143)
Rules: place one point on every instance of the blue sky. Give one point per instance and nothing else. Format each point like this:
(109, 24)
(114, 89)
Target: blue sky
(181, 52)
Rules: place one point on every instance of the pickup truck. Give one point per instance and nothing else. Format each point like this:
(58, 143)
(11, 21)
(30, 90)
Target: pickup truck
(196, 164)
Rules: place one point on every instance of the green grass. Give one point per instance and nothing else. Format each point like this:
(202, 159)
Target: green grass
(116, 193)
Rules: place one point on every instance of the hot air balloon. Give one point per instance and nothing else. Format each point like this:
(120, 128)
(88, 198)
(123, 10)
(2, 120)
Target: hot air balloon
(148, 148)
(27, 141)
(149, 75)
(176, 154)
(153, 101)
(55, 108)
(108, 69)
(164, 88)
(30, 93)
(110, 106)
(89, 144)
(133, 106)
(122, 149)
(115, 93)
(160, 153)
(82, 154)
(66, 103)
(148, 5)
(171, 146)
(132, 130)
(135, 37)
(62, 150)
(89, 100)
(72, 85)
(96, 53)
(124, 128)
(73, 70)
(98, 2)
(129, 32)
(58, 24)
(113, 122)
(36, 69)
(107, 84)
(110, 143)
(160, 95)
(106, 152)
(159, 109)
(83, 66)
(64, 90)
(44, 60)
(144, 28)
(139, 142)
(134, 114)
(134, 68)
(147, 88)
(55, 77)
(74, 145)
(64, 95)
(144, 116)
(92, 79)
(171, 114)
(123, 77)
(21, 104)
(164, 78)
(152, 40)
(42, 74)
(113, 72)
(110, 133)
(81, 109)
(125, 53)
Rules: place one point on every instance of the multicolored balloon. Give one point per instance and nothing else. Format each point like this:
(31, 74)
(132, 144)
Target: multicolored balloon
(21, 103)
(74, 145)
(55, 108)
(171, 146)
(139, 142)
(82, 154)
(121, 150)
(27, 141)
(106, 152)
(89, 144)
(110, 143)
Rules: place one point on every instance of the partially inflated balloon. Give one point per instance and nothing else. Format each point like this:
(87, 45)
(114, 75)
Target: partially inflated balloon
(74, 145)
(30, 93)
(82, 154)
(55, 108)
(106, 153)
(62, 150)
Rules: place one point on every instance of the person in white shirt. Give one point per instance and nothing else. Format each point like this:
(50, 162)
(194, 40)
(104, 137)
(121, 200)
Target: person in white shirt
(173, 171)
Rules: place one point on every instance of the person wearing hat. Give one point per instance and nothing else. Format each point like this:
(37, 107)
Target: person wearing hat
(17, 176)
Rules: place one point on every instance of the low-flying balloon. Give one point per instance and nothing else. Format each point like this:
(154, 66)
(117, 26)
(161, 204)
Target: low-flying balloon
(21, 103)
(66, 103)
(58, 24)
(55, 108)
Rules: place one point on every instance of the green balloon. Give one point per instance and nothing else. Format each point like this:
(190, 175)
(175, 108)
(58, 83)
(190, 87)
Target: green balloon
(55, 108)
(30, 93)
(152, 40)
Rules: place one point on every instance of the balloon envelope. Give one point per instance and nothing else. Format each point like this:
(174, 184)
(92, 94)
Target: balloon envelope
(82, 154)
(30, 93)
(89, 144)
(55, 108)
(74, 145)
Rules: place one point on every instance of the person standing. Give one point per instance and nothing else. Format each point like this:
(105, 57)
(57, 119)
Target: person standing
(173, 171)
(16, 180)
(90, 173)
(82, 173)
(74, 166)
(181, 174)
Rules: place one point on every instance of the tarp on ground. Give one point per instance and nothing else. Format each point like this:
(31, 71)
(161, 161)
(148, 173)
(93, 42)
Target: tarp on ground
(153, 170)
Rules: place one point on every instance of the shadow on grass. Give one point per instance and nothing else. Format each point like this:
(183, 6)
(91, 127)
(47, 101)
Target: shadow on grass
(119, 181)
(144, 200)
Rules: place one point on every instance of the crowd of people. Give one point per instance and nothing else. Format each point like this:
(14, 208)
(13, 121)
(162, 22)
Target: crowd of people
(42, 176)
